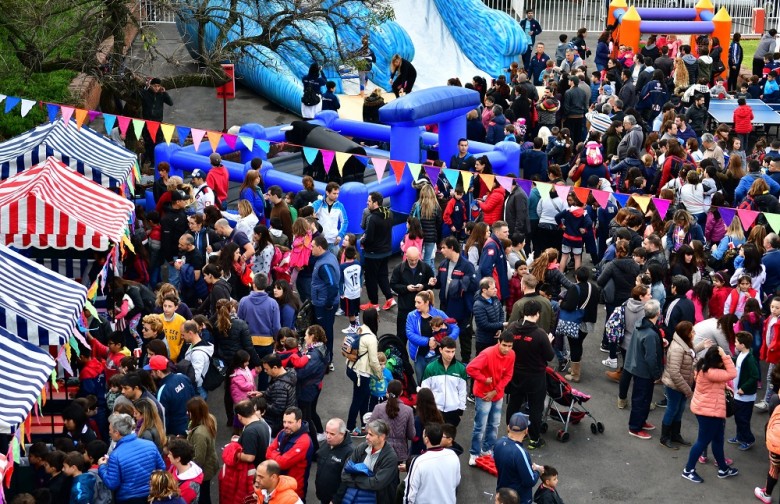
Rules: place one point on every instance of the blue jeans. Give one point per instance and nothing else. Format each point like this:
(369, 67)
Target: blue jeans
(325, 317)
(641, 396)
(743, 412)
(420, 363)
(483, 440)
(202, 392)
(429, 254)
(360, 396)
(710, 431)
(674, 407)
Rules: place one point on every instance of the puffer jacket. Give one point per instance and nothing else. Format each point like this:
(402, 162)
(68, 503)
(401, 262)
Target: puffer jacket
(493, 206)
(635, 312)
(623, 272)
(743, 119)
(293, 452)
(413, 333)
(368, 363)
(709, 398)
(678, 373)
(205, 451)
(488, 318)
(773, 432)
(128, 468)
(279, 396)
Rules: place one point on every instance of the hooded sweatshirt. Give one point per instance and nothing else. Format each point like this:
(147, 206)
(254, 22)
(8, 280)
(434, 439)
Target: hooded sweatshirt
(261, 314)
(189, 482)
(635, 312)
(693, 68)
(573, 219)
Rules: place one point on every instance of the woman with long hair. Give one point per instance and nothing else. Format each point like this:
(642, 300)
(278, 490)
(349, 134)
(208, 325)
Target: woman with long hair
(264, 250)
(419, 332)
(748, 262)
(149, 425)
(231, 262)
(546, 270)
(617, 280)
(700, 295)
(478, 189)
(362, 369)
(756, 237)
(204, 236)
(684, 230)
(713, 372)
(247, 219)
(730, 179)
(250, 193)
(288, 301)
(399, 417)
(426, 412)
(231, 334)
(550, 235)
(720, 331)
(692, 196)
(476, 241)
(427, 209)
(310, 379)
(612, 139)
(682, 263)
(202, 433)
(681, 77)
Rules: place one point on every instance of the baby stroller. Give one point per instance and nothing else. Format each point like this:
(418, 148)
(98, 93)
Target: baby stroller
(399, 365)
(561, 395)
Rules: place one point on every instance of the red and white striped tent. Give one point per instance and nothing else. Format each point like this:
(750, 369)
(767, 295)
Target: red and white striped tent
(50, 205)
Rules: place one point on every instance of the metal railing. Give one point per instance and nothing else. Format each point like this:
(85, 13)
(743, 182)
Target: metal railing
(153, 12)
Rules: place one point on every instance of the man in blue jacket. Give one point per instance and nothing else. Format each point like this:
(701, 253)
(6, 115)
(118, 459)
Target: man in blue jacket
(754, 171)
(538, 63)
(325, 279)
(492, 263)
(532, 28)
(489, 316)
(513, 463)
(126, 471)
(173, 392)
(457, 284)
(771, 261)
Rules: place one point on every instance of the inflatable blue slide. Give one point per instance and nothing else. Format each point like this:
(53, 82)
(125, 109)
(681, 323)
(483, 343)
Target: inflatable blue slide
(434, 35)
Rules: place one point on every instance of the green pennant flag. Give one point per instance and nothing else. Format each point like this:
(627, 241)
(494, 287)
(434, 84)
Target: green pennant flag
(774, 221)
(138, 127)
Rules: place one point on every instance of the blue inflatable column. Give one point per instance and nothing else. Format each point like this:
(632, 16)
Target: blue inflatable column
(354, 197)
(449, 133)
(404, 146)
(163, 153)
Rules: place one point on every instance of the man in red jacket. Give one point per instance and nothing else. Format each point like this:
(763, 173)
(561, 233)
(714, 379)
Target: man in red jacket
(292, 449)
(218, 179)
(491, 371)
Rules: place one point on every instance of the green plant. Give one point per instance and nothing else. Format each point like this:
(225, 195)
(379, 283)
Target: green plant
(50, 87)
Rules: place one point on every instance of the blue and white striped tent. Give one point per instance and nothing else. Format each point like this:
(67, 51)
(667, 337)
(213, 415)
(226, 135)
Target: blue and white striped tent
(38, 305)
(82, 149)
(24, 368)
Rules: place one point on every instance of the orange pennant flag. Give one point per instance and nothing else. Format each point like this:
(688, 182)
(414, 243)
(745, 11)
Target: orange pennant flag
(398, 169)
(582, 194)
(214, 137)
(488, 179)
(81, 116)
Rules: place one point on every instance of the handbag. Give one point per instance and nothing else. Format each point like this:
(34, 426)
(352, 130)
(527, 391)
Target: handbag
(569, 321)
(729, 403)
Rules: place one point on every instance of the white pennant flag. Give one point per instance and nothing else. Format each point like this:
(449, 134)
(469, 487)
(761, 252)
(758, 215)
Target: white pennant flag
(27, 105)
(2, 97)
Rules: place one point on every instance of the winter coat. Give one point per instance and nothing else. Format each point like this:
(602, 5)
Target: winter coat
(743, 119)
(286, 492)
(457, 298)
(205, 451)
(242, 381)
(532, 348)
(401, 427)
(309, 380)
(622, 272)
(573, 219)
(377, 240)
(602, 55)
(709, 398)
(189, 482)
(293, 452)
(491, 364)
(635, 312)
(773, 432)
(495, 129)
(367, 363)
(128, 468)
(517, 216)
(413, 333)
(330, 463)
(770, 352)
(488, 318)
(403, 276)
(237, 338)
(492, 263)
(383, 482)
(634, 137)
(279, 396)
(493, 206)
(678, 373)
(645, 353)
(235, 479)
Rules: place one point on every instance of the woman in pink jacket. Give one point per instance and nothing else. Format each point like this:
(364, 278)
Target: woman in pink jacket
(713, 372)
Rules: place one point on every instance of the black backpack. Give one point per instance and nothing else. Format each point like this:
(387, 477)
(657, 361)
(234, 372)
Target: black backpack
(212, 379)
(305, 318)
(310, 96)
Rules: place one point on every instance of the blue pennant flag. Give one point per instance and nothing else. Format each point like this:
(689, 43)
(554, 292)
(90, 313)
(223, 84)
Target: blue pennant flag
(621, 198)
(183, 132)
(11, 102)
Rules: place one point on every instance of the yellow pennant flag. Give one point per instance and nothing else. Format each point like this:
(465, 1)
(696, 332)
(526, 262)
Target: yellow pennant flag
(214, 137)
(341, 159)
(127, 243)
(167, 130)
(81, 116)
(466, 175)
(642, 201)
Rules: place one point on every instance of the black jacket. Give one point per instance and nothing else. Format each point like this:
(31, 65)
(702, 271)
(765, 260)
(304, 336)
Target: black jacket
(220, 290)
(575, 102)
(384, 481)
(517, 212)
(533, 350)
(664, 64)
(279, 396)
(457, 298)
(403, 276)
(576, 296)
(152, 104)
(377, 240)
(622, 272)
(237, 338)
(172, 225)
(330, 463)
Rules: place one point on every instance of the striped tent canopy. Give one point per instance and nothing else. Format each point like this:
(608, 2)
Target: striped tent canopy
(82, 149)
(50, 205)
(25, 369)
(36, 304)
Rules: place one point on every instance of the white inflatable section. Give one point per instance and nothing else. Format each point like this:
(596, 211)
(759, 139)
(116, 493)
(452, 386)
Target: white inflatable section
(437, 56)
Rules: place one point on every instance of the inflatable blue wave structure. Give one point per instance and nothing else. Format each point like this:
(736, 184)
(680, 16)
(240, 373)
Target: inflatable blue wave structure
(277, 74)
(501, 39)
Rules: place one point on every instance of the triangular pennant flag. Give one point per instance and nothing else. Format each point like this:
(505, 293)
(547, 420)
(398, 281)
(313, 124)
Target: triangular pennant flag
(2, 97)
(81, 116)
(27, 105)
(379, 167)
(138, 127)
(452, 176)
(230, 140)
(562, 190)
(773, 220)
(433, 174)
(747, 217)
(264, 144)
(341, 159)
(167, 131)
(152, 127)
(727, 214)
(247, 141)
(327, 159)
(622, 199)
(11, 102)
(505, 182)
(52, 110)
(124, 122)
(525, 185)
(415, 169)
(466, 175)
(197, 137)
(602, 197)
(310, 153)
(489, 179)
(544, 189)
(582, 194)
(108, 122)
(67, 113)
(214, 137)
(662, 205)
(642, 201)
(92, 114)
(398, 170)
(183, 132)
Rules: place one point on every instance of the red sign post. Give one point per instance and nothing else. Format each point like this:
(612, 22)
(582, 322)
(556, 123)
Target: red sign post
(227, 92)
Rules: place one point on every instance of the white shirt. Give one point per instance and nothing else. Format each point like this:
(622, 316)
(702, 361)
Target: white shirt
(433, 478)
(204, 196)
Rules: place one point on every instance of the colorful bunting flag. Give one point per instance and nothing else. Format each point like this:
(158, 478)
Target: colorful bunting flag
(214, 137)
(563, 191)
(81, 116)
(601, 197)
(466, 179)
(452, 176)
(27, 105)
(124, 122)
(727, 214)
(582, 193)
(92, 114)
(310, 153)
(544, 189)
(138, 127)
(183, 132)
(415, 169)
(642, 201)
(51, 110)
(773, 220)
(11, 102)
(327, 159)
(152, 127)
(622, 199)
(525, 185)
(379, 167)
(264, 144)
(108, 122)
(747, 217)
(505, 182)
(230, 140)
(433, 173)
(489, 179)
(67, 113)
(398, 169)
(197, 137)
(662, 205)
(248, 142)
(341, 159)
(167, 131)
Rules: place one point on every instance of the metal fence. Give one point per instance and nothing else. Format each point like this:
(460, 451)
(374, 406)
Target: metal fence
(153, 12)
(570, 15)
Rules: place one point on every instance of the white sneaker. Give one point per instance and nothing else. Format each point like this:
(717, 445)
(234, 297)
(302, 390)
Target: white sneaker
(762, 406)
(350, 329)
(320, 437)
(488, 453)
(473, 460)
(610, 363)
(339, 312)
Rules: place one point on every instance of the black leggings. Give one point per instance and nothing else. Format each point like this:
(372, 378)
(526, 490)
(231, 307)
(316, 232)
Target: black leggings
(575, 346)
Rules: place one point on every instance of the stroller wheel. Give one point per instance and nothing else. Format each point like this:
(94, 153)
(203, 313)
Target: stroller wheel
(593, 428)
(543, 428)
(562, 436)
(600, 427)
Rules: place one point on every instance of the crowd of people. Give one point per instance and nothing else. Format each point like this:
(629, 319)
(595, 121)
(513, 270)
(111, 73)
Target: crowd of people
(209, 299)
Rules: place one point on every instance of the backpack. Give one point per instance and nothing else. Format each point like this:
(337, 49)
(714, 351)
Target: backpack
(615, 323)
(102, 495)
(748, 204)
(212, 378)
(310, 96)
(305, 318)
(351, 347)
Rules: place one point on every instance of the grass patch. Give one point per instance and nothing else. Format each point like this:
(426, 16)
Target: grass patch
(748, 49)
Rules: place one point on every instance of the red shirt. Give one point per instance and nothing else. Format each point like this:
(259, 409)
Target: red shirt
(218, 179)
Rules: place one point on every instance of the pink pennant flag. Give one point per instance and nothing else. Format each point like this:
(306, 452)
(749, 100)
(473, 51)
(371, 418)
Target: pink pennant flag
(124, 122)
(727, 214)
(327, 159)
(662, 205)
(67, 112)
(747, 217)
(197, 137)
(230, 140)
(379, 167)
(601, 197)
(505, 182)
(563, 191)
